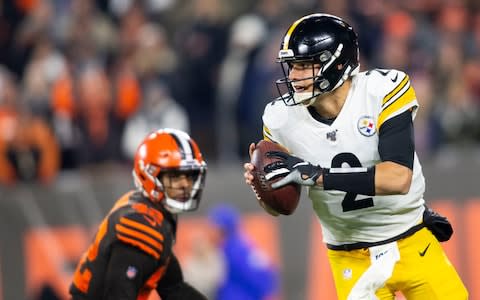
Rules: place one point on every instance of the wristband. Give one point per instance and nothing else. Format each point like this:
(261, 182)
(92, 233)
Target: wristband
(352, 180)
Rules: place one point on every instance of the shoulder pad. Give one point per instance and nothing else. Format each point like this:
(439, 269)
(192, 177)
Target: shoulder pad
(275, 114)
(140, 230)
(383, 81)
(393, 90)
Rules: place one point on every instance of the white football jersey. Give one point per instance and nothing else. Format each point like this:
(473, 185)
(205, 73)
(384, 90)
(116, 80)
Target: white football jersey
(352, 141)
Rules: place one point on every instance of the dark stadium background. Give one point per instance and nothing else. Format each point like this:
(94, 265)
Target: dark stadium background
(81, 80)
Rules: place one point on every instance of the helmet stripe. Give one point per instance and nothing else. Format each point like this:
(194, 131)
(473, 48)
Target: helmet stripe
(290, 30)
(184, 146)
(179, 144)
(194, 155)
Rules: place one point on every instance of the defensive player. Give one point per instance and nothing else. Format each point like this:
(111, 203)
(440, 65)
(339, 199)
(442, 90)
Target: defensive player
(131, 254)
(352, 136)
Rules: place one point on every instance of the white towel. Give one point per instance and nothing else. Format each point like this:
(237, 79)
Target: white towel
(383, 259)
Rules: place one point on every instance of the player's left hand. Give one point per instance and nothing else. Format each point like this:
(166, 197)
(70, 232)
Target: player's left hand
(292, 169)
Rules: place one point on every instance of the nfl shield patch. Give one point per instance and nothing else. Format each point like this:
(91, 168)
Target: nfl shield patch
(347, 274)
(366, 126)
(131, 272)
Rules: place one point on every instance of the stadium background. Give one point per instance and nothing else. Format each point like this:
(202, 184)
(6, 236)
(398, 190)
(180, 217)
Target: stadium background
(81, 80)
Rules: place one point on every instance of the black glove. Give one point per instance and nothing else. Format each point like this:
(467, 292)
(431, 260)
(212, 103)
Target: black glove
(292, 169)
(437, 224)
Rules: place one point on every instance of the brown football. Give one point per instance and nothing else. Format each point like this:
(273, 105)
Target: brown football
(283, 200)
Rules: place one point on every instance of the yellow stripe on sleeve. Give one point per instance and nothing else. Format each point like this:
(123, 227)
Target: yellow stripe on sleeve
(400, 86)
(266, 134)
(395, 106)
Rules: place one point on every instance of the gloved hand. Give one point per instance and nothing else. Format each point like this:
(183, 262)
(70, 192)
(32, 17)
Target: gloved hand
(293, 168)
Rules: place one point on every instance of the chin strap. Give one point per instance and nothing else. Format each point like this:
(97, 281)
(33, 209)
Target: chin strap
(348, 72)
(305, 98)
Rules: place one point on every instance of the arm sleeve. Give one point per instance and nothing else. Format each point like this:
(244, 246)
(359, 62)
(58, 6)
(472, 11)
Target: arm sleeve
(173, 287)
(396, 140)
(127, 271)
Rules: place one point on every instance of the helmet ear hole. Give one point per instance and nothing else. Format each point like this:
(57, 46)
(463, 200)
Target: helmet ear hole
(324, 84)
(325, 56)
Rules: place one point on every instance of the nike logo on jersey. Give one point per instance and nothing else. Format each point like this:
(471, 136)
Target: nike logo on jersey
(394, 79)
(422, 254)
(384, 73)
(150, 220)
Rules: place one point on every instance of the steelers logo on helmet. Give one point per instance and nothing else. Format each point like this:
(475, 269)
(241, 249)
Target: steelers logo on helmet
(366, 126)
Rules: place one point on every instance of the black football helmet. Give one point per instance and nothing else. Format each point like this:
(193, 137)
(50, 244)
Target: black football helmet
(320, 39)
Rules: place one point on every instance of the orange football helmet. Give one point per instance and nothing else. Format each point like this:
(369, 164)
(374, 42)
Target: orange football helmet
(164, 152)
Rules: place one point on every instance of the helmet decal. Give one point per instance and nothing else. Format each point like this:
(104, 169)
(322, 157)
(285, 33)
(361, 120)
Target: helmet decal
(286, 53)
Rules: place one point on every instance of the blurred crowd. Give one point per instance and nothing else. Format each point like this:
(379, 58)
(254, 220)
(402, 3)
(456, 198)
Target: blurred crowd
(225, 263)
(82, 81)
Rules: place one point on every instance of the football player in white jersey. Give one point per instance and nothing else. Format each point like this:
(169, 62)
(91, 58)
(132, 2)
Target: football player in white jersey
(350, 138)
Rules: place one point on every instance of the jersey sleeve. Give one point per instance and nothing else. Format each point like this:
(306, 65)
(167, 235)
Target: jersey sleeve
(395, 140)
(127, 271)
(275, 116)
(172, 285)
(395, 93)
(143, 232)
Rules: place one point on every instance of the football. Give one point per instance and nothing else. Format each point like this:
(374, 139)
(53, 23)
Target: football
(283, 200)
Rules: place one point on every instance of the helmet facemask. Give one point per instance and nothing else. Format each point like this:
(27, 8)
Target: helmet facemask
(322, 83)
(179, 196)
(176, 197)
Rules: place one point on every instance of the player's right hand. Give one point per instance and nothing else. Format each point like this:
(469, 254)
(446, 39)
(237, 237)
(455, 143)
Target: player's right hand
(249, 180)
(249, 167)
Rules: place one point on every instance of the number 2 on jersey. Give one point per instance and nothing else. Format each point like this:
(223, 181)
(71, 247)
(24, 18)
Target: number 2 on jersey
(350, 202)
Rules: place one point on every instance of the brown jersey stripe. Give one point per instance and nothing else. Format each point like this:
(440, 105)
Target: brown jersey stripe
(139, 244)
(141, 227)
(139, 236)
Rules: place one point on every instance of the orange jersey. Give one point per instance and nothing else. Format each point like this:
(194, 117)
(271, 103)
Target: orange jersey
(134, 221)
